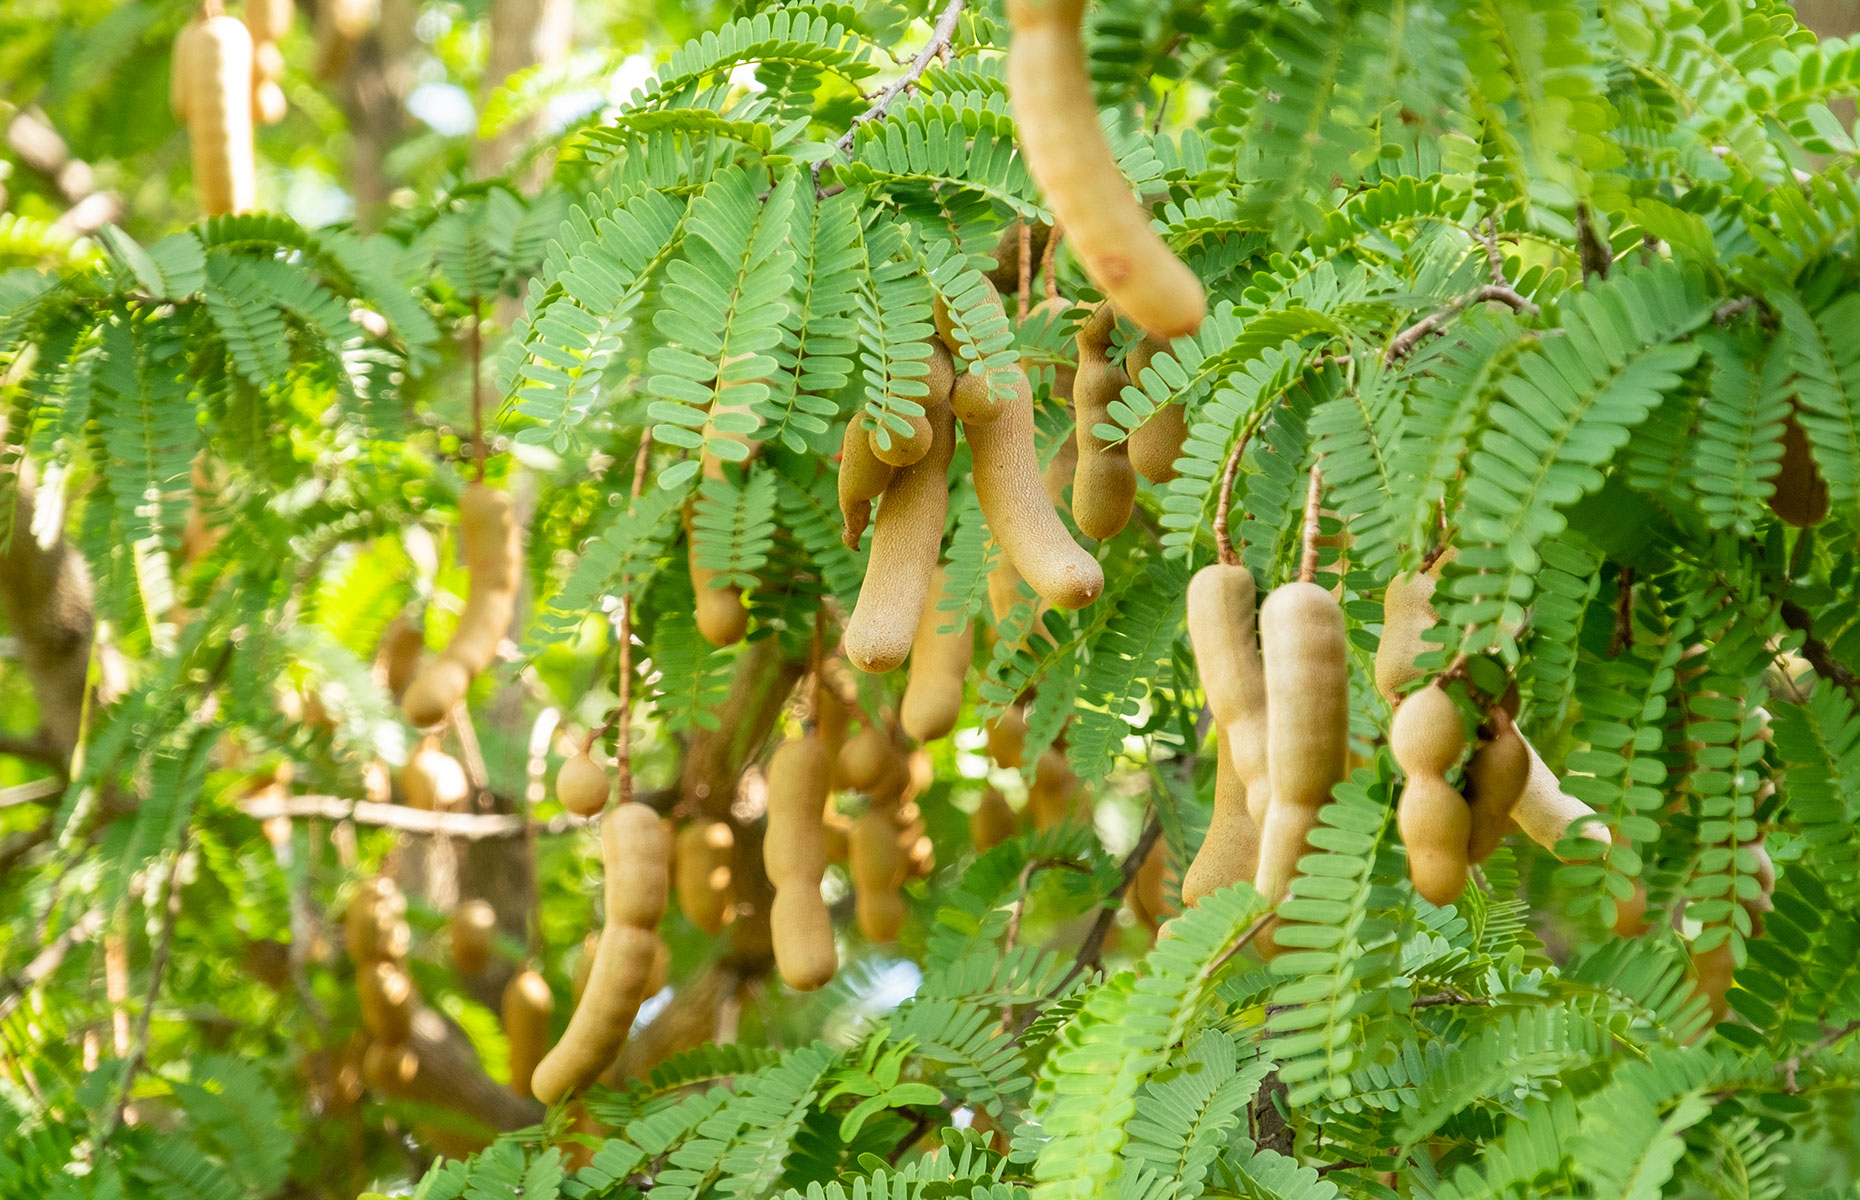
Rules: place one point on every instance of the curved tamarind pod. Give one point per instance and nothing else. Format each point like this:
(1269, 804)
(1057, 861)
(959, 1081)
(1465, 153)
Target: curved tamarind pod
(473, 928)
(992, 822)
(389, 1067)
(794, 853)
(1631, 914)
(1104, 486)
(1495, 778)
(836, 828)
(1304, 656)
(866, 758)
(617, 983)
(1007, 735)
(268, 20)
(901, 450)
(863, 478)
(583, 785)
(374, 926)
(1220, 631)
(1427, 738)
(1714, 969)
(217, 60)
(1057, 794)
(939, 663)
(973, 400)
(877, 865)
(1020, 515)
(493, 552)
(1147, 898)
(1801, 496)
(636, 852)
(722, 618)
(584, 966)
(386, 994)
(402, 646)
(1005, 273)
(906, 540)
(1545, 811)
(181, 72)
(1230, 851)
(702, 860)
(433, 780)
(1157, 443)
(1051, 94)
(1407, 613)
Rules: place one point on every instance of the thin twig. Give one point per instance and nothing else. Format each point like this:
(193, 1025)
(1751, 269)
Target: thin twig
(1403, 343)
(1816, 651)
(471, 827)
(1623, 636)
(1091, 950)
(37, 791)
(1494, 257)
(1223, 503)
(477, 386)
(34, 748)
(46, 961)
(158, 967)
(1308, 564)
(940, 36)
(1252, 931)
(1048, 279)
(919, 1127)
(1024, 293)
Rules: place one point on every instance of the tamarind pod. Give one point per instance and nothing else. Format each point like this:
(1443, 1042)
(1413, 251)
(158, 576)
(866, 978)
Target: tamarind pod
(181, 71)
(374, 926)
(901, 450)
(386, 994)
(1104, 486)
(268, 20)
(660, 976)
(599, 1026)
(636, 851)
(584, 966)
(1157, 443)
(1005, 273)
(402, 646)
(527, 1005)
(1764, 873)
(1545, 811)
(939, 663)
(218, 60)
(267, 61)
(973, 401)
(1229, 852)
(269, 105)
(1020, 515)
(389, 1067)
(863, 477)
(493, 551)
(1631, 914)
(794, 854)
(906, 540)
(1407, 613)
(704, 852)
(1304, 657)
(830, 720)
(473, 927)
(722, 618)
(1057, 794)
(1495, 777)
(992, 822)
(433, 780)
(1714, 970)
(1050, 92)
(1220, 632)
(1801, 495)
(583, 785)
(1003, 588)
(972, 394)
(877, 866)
(1147, 898)
(1007, 735)
(866, 757)
(1427, 738)
(1427, 735)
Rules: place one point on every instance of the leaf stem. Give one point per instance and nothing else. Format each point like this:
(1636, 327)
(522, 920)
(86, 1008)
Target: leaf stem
(1308, 563)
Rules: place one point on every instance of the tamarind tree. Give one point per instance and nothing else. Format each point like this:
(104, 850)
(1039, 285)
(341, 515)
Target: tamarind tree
(842, 447)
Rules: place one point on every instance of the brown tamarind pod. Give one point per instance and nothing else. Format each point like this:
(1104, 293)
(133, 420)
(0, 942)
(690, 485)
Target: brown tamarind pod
(992, 822)
(217, 106)
(1631, 914)
(1156, 444)
(973, 401)
(1713, 970)
(386, 994)
(906, 540)
(1495, 778)
(583, 785)
(1230, 851)
(1104, 485)
(1305, 659)
(794, 853)
(1050, 91)
(181, 73)
(403, 645)
(493, 552)
(660, 976)
(1147, 897)
(866, 757)
(584, 966)
(1057, 794)
(1005, 273)
(836, 830)
(636, 851)
(1020, 514)
(389, 1067)
(1545, 812)
(897, 449)
(473, 928)
(527, 1006)
(877, 866)
(863, 478)
(722, 618)
(374, 926)
(1221, 632)
(268, 20)
(831, 718)
(1427, 738)
(1407, 614)
(269, 105)
(1801, 496)
(433, 780)
(939, 664)
(704, 853)
(1007, 735)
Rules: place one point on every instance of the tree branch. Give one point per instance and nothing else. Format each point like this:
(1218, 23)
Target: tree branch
(469, 826)
(1403, 343)
(1091, 950)
(46, 961)
(881, 103)
(1816, 651)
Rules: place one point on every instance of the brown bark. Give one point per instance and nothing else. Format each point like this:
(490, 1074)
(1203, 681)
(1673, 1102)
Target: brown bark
(377, 74)
(524, 34)
(714, 759)
(45, 594)
(450, 1076)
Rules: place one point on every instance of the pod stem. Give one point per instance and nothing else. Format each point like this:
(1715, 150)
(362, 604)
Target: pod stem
(1024, 294)
(1223, 503)
(1307, 566)
(1049, 280)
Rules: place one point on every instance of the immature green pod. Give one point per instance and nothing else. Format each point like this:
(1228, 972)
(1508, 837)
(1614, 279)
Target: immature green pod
(1305, 658)
(1427, 738)
(906, 540)
(1104, 486)
(939, 664)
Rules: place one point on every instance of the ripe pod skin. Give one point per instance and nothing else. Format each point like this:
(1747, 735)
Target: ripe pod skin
(992, 822)
(1052, 99)
(939, 663)
(1057, 795)
(402, 647)
(1714, 969)
(1147, 898)
(584, 966)
(1007, 735)
(433, 780)
(899, 450)
(1407, 613)
(877, 865)
(493, 552)
(1157, 443)
(972, 394)
(1427, 738)
(218, 64)
(1057, 475)
(721, 617)
(1302, 649)
(1801, 496)
(866, 758)
(269, 20)
(386, 994)
(1104, 486)
(1005, 274)
(1545, 811)
(373, 923)
(794, 854)
(1495, 777)
(474, 931)
(863, 478)
(268, 103)
(637, 853)
(1020, 514)
(583, 785)
(389, 1066)
(1220, 631)
(1230, 851)
(905, 542)
(703, 868)
(1631, 914)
